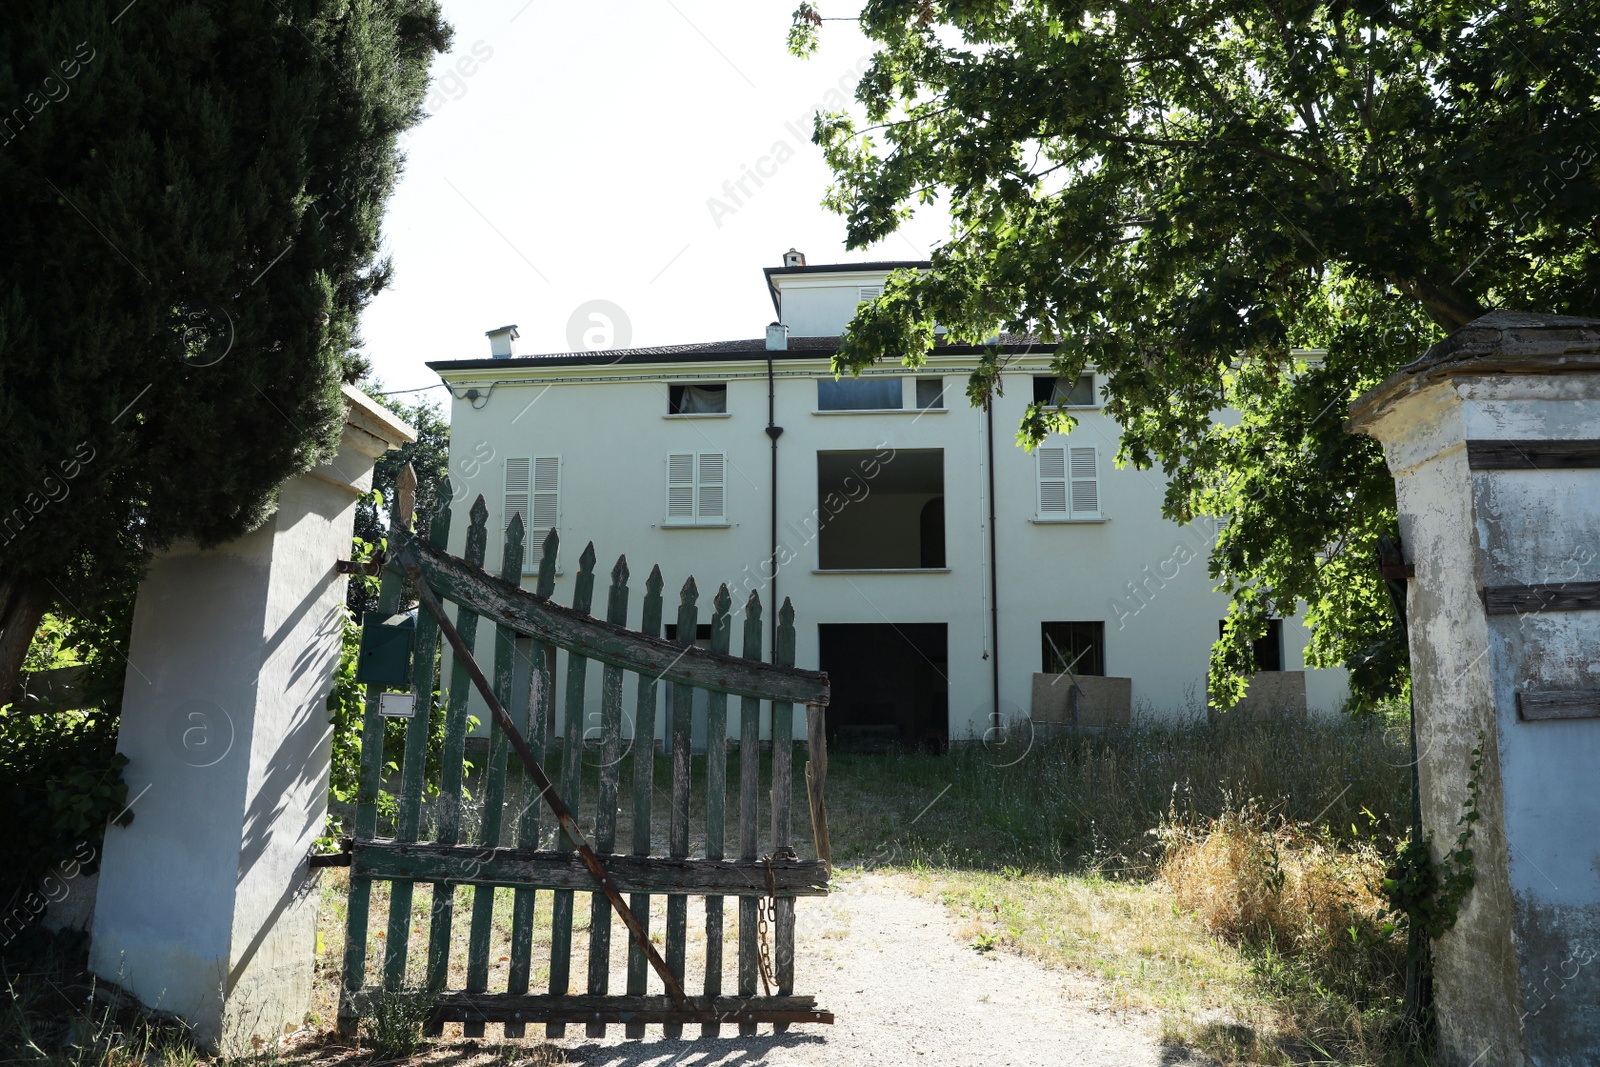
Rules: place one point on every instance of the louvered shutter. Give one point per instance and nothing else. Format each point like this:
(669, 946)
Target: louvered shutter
(868, 292)
(515, 500)
(546, 492)
(1052, 483)
(709, 507)
(680, 487)
(1085, 484)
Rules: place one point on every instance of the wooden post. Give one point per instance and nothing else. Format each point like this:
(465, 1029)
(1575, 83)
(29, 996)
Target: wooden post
(678, 827)
(749, 807)
(605, 813)
(716, 798)
(644, 763)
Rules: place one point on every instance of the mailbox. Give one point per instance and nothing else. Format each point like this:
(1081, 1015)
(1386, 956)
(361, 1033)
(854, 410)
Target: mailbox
(385, 657)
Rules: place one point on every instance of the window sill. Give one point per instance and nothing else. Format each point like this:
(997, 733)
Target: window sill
(700, 415)
(694, 525)
(883, 570)
(1067, 522)
(885, 411)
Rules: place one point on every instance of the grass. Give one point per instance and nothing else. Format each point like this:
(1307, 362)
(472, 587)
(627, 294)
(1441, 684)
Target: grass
(1223, 876)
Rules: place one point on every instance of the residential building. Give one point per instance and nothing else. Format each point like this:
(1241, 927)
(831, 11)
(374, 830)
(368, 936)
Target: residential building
(937, 569)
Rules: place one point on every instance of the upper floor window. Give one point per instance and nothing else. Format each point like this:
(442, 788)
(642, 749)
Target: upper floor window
(1065, 392)
(696, 489)
(859, 394)
(701, 398)
(868, 292)
(880, 510)
(1069, 483)
(532, 490)
(930, 394)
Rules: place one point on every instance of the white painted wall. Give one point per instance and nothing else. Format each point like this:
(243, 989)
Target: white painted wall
(609, 424)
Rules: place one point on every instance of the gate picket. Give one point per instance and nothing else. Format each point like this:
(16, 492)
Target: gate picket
(452, 765)
(571, 769)
(644, 767)
(678, 825)
(494, 788)
(749, 806)
(782, 793)
(520, 715)
(540, 704)
(605, 812)
(716, 797)
(413, 770)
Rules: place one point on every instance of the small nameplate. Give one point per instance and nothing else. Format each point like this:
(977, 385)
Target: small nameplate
(1571, 704)
(397, 705)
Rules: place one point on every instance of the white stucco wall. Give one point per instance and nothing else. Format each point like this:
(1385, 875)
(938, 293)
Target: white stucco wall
(613, 434)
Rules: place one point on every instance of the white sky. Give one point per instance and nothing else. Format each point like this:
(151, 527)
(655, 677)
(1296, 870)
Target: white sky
(575, 161)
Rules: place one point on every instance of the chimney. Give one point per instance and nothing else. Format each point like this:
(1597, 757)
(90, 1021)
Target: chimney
(777, 337)
(792, 258)
(503, 342)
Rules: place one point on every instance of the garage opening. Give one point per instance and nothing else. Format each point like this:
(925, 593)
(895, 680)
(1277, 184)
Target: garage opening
(881, 511)
(890, 685)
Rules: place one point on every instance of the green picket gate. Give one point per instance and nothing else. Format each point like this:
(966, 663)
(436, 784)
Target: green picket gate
(584, 857)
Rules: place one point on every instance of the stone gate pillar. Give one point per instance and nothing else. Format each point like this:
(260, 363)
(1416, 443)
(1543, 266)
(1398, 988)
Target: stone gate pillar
(205, 906)
(1493, 437)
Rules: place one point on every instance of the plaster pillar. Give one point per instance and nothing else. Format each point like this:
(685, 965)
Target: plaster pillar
(205, 906)
(1493, 437)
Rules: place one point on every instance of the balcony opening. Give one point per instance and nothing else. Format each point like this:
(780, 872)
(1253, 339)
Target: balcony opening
(889, 683)
(1065, 392)
(881, 510)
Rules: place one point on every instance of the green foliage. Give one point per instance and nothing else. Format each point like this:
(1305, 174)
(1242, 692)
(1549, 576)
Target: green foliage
(395, 1025)
(1192, 197)
(193, 199)
(1428, 895)
(61, 782)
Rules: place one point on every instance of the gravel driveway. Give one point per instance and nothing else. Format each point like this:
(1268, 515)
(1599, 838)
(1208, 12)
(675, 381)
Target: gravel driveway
(904, 990)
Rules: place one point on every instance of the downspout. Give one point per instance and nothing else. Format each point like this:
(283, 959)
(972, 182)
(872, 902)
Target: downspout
(994, 581)
(777, 340)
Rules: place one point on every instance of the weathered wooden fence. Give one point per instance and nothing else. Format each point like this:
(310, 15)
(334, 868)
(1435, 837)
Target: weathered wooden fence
(765, 885)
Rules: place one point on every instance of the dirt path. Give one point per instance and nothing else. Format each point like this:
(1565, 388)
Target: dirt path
(904, 990)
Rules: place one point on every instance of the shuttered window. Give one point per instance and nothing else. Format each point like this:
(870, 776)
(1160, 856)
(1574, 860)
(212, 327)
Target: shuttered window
(533, 490)
(697, 489)
(868, 292)
(1069, 483)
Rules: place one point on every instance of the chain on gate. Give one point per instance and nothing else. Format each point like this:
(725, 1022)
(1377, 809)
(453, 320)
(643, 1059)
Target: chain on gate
(767, 916)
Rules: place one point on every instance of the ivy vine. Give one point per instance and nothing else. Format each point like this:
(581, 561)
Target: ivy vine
(1428, 894)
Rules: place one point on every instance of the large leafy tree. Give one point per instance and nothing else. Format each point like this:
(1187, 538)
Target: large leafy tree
(1268, 206)
(192, 195)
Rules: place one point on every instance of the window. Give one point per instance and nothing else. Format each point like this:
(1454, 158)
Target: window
(859, 394)
(1069, 483)
(868, 292)
(538, 501)
(879, 510)
(930, 393)
(705, 398)
(1073, 647)
(1269, 649)
(1065, 392)
(696, 489)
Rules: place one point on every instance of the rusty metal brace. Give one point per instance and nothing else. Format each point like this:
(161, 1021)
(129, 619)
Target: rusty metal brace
(558, 807)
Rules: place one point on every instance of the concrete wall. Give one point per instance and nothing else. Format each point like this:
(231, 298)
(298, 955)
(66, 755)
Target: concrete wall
(1514, 980)
(205, 907)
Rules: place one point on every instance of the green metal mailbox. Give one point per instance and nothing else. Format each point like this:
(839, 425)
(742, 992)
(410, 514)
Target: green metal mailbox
(385, 657)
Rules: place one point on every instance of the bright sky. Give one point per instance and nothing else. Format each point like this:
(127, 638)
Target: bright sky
(570, 156)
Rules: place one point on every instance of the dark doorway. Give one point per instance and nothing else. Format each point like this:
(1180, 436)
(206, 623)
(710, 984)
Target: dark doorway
(889, 685)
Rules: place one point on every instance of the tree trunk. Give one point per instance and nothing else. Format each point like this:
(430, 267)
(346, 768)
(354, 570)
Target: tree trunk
(1446, 305)
(21, 609)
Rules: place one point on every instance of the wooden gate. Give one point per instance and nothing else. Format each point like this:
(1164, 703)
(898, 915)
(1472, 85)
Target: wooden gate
(508, 852)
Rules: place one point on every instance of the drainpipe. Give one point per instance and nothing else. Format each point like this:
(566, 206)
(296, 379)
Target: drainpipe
(994, 581)
(777, 341)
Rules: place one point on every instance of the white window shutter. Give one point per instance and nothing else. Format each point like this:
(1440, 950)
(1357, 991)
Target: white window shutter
(1052, 483)
(709, 507)
(680, 487)
(1085, 484)
(515, 500)
(868, 292)
(546, 492)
